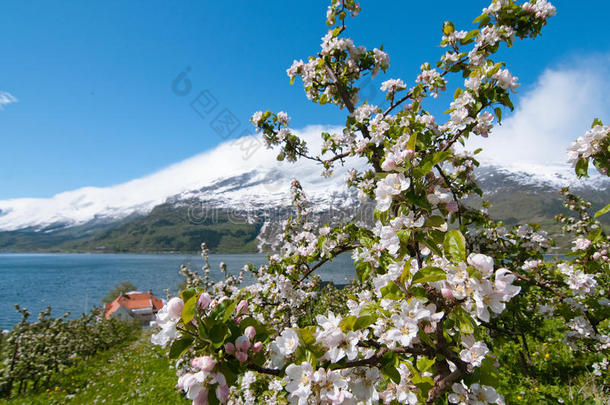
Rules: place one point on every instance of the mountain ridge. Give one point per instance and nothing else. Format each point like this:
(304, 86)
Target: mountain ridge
(171, 210)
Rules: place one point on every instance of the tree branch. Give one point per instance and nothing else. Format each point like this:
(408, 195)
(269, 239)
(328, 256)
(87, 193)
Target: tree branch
(457, 201)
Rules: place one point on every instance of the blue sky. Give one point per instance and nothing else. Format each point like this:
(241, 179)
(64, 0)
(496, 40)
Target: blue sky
(94, 80)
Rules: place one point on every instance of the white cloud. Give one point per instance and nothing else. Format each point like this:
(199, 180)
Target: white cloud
(559, 108)
(6, 98)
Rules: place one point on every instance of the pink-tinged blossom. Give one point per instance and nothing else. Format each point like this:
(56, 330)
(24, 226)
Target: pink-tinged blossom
(587, 145)
(201, 398)
(531, 264)
(382, 61)
(241, 356)
(363, 387)
(283, 118)
(250, 332)
(222, 393)
(174, 308)
(242, 343)
(506, 80)
(581, 244)
(503, 284)
(475, 353)
(364, 112)
(542, 9)
(256, 118)
(484, 123)
(393, 85)
(242, 307)
(256, 347)
(168, 333)
(229, 348)
(205, 363)
(204, 300)
(475, 394)
(440, 195)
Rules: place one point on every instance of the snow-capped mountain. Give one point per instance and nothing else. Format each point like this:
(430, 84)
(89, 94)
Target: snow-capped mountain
(232, 174)
(244, 176)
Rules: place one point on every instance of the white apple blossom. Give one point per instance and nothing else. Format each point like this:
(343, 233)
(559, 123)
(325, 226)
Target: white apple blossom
(475, 353)
(506, 80)
(299, 387)
(393, 184)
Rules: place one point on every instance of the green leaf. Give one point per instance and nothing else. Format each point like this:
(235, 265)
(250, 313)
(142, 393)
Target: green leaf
(465, 322)
(426, 338)
(229, 310)
(307, 335)
(469, 37)
(429, 161)
(368, 309)
(180, 346)
(347, 323)
(390, 371)
(188, 293)
(212, 398)
(406, 272)
(404, 235)
(391, 291)
(412, 141)
(488, 372)
(434, 221)
(364, 321)
(448, 29)
(498, 112)
(189, 309)
(424, 364)
(595, 235)
(229, 372)
(428, 275)
(455, 246)
(363, 271)
(603, 211)
(483, 19)
(582, 167)
(218, 333)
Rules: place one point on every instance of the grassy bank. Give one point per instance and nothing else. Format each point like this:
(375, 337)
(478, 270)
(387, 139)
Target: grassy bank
(133, 373)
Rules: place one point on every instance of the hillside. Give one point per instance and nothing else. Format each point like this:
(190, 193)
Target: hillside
(226, 206)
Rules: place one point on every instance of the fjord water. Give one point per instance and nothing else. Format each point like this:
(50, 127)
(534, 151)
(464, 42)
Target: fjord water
(76, 282)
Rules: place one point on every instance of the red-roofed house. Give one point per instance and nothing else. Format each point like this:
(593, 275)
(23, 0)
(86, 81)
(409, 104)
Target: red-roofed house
(134, 305)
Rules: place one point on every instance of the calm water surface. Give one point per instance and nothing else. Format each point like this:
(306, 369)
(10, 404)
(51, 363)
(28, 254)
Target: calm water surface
(76, 282)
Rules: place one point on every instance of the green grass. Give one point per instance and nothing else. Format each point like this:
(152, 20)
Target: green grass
(133, 373)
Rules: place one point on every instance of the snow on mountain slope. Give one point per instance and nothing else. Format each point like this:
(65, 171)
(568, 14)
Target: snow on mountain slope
(551, 176)
(268, 182)
(231, 176)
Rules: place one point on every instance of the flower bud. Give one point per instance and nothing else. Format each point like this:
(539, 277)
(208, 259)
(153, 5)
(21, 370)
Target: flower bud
(229, 348)
(257, 347)
(446, 293)
(250, 332)
(241, 356)
(174, 308)
(242, 343)
(242, 307)
(204, 300)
